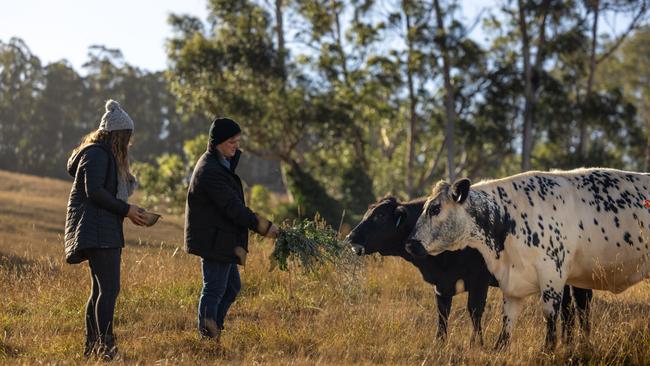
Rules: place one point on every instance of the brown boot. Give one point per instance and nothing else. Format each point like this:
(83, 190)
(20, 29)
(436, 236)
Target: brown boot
(211, 330)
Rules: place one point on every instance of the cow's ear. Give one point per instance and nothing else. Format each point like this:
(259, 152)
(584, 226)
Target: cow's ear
(400, 216)
(460, 190)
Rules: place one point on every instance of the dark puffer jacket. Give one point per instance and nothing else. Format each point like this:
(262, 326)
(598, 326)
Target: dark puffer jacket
(95, 216)
(216, 217)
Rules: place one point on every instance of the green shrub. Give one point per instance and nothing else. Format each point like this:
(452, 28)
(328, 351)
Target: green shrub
(284, 211)
(356, 186)
(194, 148)
(310, 197)
(259, 200)
(164, 185)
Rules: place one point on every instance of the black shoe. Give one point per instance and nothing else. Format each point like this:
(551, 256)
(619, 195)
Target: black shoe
(91, 344)
(107, 348)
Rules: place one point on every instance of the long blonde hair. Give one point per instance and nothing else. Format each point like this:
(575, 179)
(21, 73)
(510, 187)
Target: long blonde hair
(119, 143)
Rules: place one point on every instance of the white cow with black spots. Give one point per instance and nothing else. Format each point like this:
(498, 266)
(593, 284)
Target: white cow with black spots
(538, 231)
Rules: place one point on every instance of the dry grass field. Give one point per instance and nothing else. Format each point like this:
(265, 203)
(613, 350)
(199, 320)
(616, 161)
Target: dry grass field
(388, 316)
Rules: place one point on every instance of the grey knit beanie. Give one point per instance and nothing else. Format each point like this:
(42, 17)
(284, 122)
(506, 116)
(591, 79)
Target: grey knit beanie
(115, 118)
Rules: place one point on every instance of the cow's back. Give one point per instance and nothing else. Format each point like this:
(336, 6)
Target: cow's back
(590, 225)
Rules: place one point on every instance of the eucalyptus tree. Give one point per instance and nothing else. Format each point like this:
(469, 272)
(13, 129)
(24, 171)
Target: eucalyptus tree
(593, 12)
(145, 95)
(238, 66)
(375, 57)
(463, 66)
(555, 48)
(58, 121)
(20, 80)
(592, 124)
(627, 70)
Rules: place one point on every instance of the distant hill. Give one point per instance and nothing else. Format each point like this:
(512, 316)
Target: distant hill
(33, 209)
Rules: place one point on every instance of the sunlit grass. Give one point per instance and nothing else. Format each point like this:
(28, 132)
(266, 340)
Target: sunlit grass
(283, 318)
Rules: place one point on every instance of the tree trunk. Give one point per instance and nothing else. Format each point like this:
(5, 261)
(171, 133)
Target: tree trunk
(359, 143)
(286, 161)
(647, 147)
(412, 122)
(427, 177)
(583, 144)
(284, 165)
(339, 42)
(279, 29)
(527, 140)
(450, 112)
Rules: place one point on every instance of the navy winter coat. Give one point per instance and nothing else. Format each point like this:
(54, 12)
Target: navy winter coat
(95, 217)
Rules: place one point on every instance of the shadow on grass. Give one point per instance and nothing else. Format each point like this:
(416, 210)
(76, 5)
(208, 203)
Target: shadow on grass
(634, 307)
(148, 243)
(15, 263)
(8, 351)
(21, 266)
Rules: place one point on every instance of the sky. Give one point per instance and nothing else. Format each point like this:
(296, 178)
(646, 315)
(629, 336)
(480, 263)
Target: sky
(64, 29)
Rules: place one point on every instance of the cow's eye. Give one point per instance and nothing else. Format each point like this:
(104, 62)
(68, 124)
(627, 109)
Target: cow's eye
(433, 210)
(380, 216)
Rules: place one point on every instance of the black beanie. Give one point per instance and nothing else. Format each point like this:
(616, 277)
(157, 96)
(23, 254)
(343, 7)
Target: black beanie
(222, 129)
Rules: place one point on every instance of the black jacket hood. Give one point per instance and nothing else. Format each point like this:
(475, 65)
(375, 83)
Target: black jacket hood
(73, 161)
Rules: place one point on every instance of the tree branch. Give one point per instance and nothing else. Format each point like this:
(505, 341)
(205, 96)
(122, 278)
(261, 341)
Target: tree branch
(634, 24)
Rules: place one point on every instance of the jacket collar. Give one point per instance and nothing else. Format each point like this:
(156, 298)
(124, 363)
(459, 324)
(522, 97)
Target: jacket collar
(233, 161)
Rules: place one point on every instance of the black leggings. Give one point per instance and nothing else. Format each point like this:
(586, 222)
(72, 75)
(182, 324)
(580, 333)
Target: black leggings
(105, 274)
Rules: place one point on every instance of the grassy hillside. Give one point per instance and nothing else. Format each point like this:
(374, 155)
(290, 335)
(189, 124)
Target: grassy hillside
(388, 316)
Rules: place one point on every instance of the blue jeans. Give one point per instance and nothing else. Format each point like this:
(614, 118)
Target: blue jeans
(221, 284)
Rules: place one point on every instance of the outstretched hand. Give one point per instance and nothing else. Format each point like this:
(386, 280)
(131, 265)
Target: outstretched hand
(273, 232)
(136, 215)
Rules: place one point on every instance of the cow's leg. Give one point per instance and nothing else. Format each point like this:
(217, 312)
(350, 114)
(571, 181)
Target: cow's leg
(476, 305)
(552, 290)
(444, 307)
(583, 303)
(511, 310)
(567, 315)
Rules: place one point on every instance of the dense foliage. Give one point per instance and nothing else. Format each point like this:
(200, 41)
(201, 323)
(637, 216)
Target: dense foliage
(45, 110)
(354, 99)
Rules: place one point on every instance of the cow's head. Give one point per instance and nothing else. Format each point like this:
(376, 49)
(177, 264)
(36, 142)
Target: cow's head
(444, 223)
(382, 229)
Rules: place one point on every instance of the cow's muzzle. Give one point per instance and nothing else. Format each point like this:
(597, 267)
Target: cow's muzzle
(415, 248)
(358, 249)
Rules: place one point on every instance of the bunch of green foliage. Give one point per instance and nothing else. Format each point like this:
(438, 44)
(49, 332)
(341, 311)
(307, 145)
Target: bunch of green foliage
(311, 244)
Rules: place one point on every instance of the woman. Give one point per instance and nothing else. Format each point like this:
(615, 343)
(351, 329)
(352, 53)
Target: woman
(96, 209)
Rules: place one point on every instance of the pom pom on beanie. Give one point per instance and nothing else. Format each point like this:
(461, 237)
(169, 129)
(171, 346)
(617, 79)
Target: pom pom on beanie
(115, 118)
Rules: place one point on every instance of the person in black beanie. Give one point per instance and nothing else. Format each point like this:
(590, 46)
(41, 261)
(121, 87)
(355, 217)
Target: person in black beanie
(217, 223)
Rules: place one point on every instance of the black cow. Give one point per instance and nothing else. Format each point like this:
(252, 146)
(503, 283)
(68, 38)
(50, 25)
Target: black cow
(385, 228)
